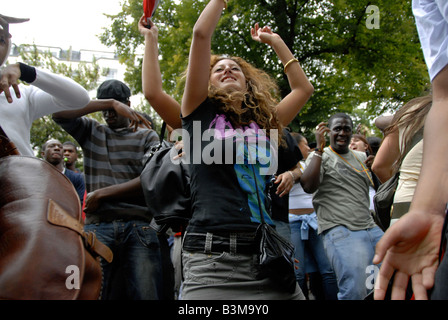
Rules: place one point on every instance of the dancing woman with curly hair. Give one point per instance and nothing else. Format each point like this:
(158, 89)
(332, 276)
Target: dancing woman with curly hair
(227, 105)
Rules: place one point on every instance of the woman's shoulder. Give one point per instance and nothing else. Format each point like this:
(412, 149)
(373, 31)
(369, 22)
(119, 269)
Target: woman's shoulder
(208, 108)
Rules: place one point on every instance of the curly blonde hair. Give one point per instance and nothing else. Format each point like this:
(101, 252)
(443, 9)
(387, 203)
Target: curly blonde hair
(258, 102)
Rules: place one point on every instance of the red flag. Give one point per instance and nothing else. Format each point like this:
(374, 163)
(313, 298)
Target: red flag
(149, 7)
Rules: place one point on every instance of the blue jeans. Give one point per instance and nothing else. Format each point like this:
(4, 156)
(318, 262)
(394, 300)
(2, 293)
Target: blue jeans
(311, 252)
(351, 254)
(136, 270)
(283, 229)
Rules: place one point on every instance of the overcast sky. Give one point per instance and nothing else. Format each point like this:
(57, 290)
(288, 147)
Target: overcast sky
(61, 23)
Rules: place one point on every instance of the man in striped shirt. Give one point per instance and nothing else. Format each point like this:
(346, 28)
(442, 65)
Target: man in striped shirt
(115, 207)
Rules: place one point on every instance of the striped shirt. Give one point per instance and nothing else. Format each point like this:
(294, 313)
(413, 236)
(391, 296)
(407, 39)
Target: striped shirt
(111, 156)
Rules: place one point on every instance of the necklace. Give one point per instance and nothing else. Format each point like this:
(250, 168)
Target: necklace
(365, 170)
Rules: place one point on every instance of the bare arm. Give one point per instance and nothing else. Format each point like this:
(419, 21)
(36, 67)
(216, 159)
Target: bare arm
(165, 105)
(301, 88)
(432, 189)
(126, 190)
(102, 105)
(196, 86)
(386, 156)
(310, 179)
(93, 106)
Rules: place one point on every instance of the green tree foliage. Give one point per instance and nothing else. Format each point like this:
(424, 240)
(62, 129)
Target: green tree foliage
(354, 68)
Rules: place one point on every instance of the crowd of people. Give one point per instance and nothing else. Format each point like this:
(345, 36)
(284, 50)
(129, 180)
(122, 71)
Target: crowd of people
(319, 198)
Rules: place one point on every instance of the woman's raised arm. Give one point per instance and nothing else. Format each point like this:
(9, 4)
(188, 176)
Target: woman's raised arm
(198, 72)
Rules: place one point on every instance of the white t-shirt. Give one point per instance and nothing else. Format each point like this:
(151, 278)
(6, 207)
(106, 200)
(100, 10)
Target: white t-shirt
(48, 94)
(298, 198)
(431, 17)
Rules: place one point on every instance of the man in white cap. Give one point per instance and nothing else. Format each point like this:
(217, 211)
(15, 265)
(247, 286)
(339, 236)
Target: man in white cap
(47, 93)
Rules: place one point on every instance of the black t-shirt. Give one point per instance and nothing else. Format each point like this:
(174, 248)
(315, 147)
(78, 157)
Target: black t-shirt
(223, 190)
(288, 156)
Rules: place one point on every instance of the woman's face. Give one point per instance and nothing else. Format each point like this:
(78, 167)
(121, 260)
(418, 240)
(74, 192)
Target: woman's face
(358, 144)
(227, 74)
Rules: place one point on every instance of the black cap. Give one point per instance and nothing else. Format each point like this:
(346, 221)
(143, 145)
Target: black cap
(113, 89)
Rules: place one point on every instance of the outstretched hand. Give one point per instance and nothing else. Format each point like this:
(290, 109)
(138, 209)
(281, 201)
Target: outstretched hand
(263, 35)
(409, 249)
(9, 77)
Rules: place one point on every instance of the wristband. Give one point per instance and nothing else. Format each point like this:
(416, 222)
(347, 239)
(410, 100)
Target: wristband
(27, 73)
(292, 175)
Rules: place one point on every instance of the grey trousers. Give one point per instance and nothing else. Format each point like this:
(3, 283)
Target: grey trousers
(225, 276)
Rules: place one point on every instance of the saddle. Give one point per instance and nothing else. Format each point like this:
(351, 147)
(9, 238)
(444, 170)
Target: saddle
(44, 252)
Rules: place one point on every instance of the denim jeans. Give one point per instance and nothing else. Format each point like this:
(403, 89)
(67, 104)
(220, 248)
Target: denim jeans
(351, 254)
(283, 229)
(311, 252)
(136, 270)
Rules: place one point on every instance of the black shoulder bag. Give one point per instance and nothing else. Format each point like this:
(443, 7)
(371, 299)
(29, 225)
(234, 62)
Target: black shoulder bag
(276, 254)
(166, 187)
